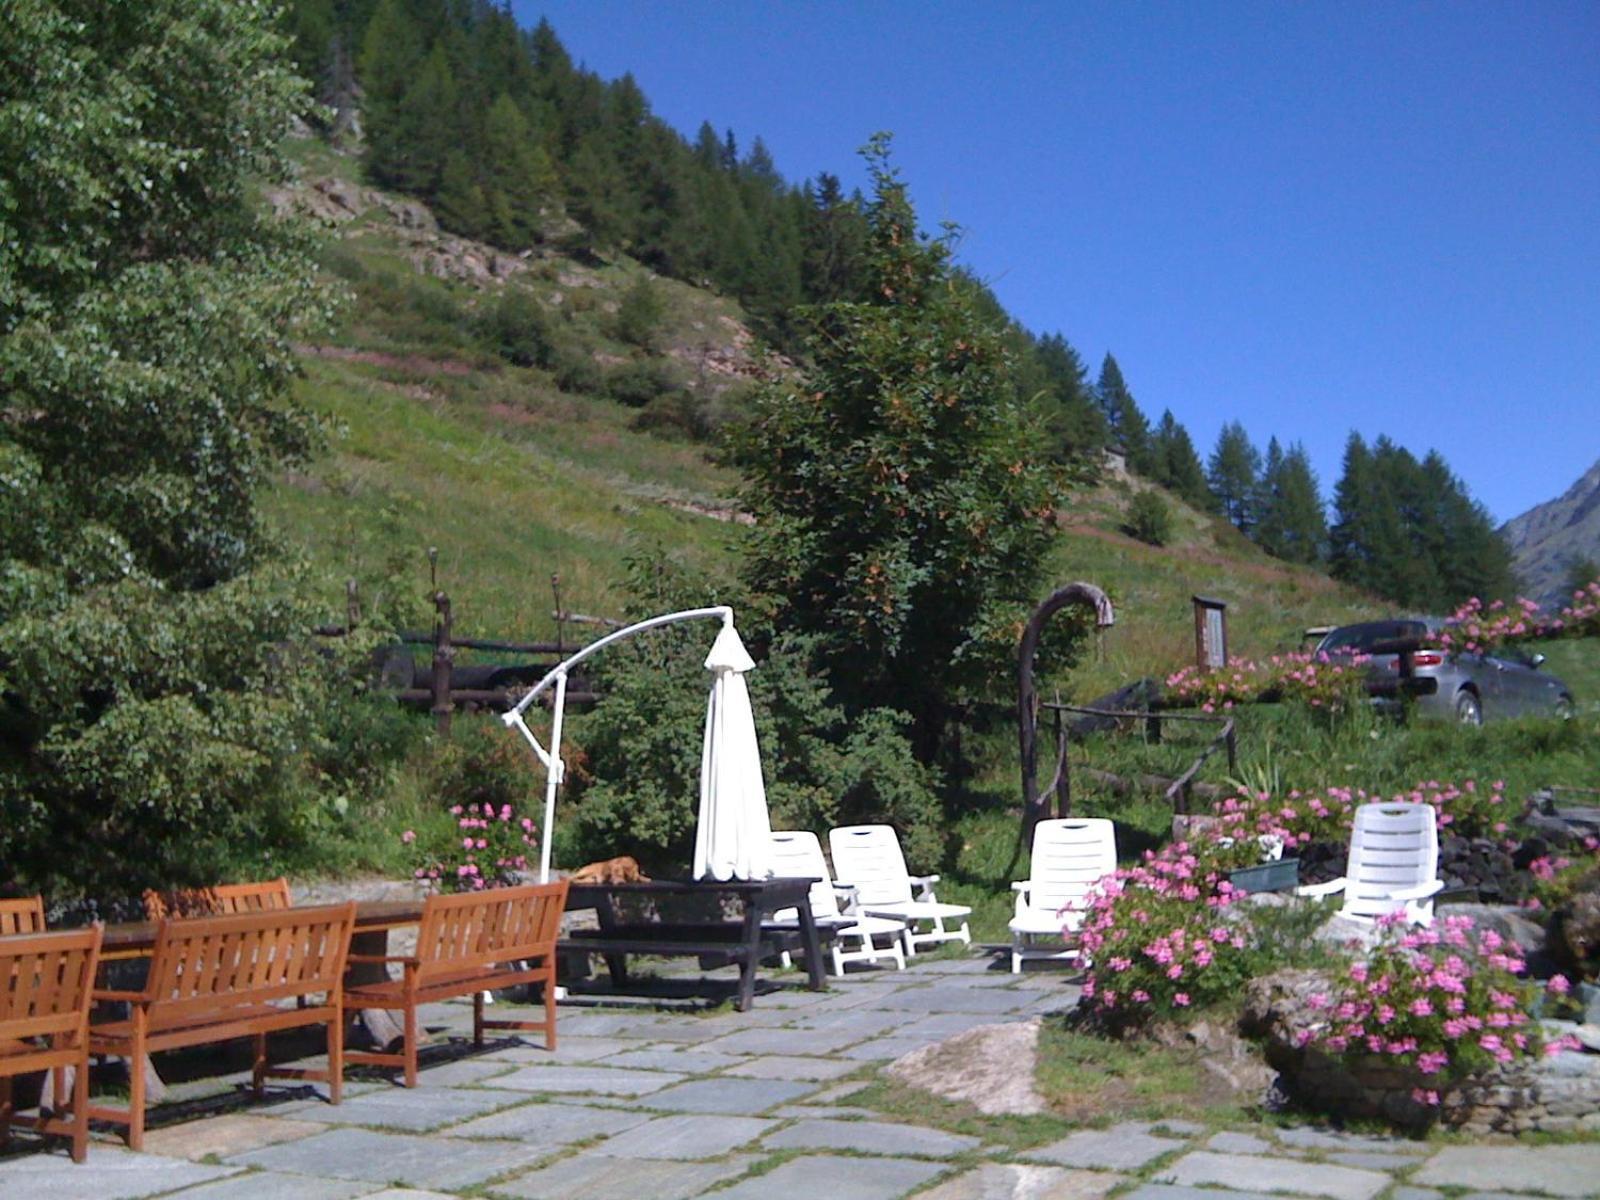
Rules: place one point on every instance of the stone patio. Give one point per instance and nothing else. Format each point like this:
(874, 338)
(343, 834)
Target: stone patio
(661, 1100)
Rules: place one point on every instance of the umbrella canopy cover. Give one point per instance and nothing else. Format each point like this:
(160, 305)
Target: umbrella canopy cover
(733, 836)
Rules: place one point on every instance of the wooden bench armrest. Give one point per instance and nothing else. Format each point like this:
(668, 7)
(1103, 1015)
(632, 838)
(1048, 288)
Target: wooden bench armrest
(381, 958)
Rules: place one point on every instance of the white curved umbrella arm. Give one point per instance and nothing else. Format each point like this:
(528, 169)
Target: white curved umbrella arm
(551, 758)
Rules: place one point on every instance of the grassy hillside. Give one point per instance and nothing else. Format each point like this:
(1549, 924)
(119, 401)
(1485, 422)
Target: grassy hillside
(515, 473)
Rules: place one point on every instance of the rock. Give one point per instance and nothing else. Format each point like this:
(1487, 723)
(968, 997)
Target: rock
(990, 1067)
(1343, 931)
(1225, 1055)
(1577, 928)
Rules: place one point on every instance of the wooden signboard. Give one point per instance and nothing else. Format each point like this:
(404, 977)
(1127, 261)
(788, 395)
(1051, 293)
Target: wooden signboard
(1210, 632)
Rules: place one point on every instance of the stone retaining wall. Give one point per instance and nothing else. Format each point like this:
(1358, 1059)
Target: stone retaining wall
(1559, 1094)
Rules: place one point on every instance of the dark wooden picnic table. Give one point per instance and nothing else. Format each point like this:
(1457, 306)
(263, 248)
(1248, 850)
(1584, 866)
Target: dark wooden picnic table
(659, 917)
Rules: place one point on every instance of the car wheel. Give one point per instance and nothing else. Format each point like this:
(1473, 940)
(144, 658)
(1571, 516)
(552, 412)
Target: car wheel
(1468, 709)
(1564, 708)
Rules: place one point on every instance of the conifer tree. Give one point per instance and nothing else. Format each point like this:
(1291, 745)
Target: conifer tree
(1231, 474)
(1130, 432)
(1290, 523)
(1177, 465)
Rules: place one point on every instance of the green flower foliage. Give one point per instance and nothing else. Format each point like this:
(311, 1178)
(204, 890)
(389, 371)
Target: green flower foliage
(151, 714)
(902, 507)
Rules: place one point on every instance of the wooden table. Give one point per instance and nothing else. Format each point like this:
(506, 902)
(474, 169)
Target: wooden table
(744, 940)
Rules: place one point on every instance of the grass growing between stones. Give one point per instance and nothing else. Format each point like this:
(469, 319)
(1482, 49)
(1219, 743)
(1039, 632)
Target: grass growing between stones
(1094, 1080)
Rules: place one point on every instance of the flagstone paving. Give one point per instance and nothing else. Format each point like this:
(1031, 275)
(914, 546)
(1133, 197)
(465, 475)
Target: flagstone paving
(660, 1100)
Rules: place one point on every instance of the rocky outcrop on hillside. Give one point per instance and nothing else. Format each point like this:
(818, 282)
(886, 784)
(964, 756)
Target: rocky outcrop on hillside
(1548, 539)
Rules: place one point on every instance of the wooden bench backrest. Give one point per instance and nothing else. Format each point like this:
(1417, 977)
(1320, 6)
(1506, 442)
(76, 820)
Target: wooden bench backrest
(45, 982)
(215, 901)
(22, 915)
(204, 964)
(476, 929)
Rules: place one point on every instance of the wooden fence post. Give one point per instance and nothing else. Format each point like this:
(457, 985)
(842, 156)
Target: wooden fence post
(443, 657)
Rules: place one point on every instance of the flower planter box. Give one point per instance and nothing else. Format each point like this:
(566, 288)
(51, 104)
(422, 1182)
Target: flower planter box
(1280, 876)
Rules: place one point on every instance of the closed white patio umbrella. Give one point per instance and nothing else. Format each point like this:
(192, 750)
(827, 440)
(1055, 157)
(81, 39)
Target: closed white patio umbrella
(732, 839)
(734, 834)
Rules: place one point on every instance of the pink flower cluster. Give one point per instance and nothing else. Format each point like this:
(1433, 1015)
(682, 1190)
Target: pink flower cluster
(1445, 1000)
(1465, 808)
(488, 849)
(1157, 937)
(1330, 684)
(1480, 628)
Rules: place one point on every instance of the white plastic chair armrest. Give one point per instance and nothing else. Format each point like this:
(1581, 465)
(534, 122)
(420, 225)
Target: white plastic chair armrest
(1021, 887)
(847, 894)
(1420, 891)
(924, 884)
(1322, 889)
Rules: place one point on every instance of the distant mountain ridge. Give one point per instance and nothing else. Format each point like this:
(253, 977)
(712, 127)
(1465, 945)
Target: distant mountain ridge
(1549, 538)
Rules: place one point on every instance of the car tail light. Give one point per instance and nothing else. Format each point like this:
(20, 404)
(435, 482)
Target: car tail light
(1426, 658)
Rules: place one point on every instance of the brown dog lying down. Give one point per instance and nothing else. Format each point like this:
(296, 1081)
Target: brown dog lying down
(622, 869)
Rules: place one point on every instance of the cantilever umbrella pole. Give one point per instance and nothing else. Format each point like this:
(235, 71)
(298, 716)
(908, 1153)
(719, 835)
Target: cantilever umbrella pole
(554, 770)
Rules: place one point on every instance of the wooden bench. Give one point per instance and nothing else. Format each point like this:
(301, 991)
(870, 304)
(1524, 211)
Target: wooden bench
(217, 900)
(22, 915)
(45, 983)
(216, 978)
(469, 944)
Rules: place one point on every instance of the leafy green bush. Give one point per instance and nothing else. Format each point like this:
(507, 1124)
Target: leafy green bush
(1149, 519)
(639, 315)
(638, 383)
(575, 370)
(518, 328)
(640, 747)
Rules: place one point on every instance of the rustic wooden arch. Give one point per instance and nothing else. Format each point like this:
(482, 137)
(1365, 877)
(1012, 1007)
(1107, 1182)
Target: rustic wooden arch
(1035, 802)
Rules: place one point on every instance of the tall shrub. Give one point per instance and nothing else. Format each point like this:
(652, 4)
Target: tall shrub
(902, 511)
(146, 312)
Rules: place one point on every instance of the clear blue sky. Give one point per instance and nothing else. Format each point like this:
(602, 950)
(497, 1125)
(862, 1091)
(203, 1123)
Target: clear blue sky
(1308, 217)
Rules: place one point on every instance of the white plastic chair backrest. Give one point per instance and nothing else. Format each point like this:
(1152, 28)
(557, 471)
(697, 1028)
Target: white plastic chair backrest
(868, 856)
(1070, 856)
(797, 853)
(1392, 846)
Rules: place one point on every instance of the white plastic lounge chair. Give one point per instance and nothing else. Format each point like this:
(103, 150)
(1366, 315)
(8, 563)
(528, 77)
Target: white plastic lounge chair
(1393, 864)
(1069, 857)
(798, 853)
(868, 858)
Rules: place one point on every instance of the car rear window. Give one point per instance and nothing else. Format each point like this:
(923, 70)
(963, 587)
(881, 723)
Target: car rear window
(1357, 638)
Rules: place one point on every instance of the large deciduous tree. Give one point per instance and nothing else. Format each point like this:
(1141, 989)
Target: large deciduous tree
(146, 310)
(902, 511)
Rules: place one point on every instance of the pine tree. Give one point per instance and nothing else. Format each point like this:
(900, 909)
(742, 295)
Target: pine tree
(517, 176)
(1074, 425)
(1231, 473)
(1177, 465)
(1130, 432)
(1290, 523)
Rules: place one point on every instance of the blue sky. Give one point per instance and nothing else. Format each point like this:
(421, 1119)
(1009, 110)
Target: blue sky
(1310, 218)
